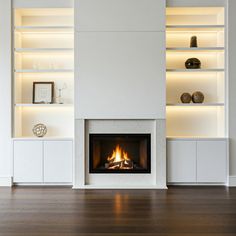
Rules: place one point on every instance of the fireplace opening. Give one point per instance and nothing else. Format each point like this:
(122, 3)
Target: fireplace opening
(120, 153)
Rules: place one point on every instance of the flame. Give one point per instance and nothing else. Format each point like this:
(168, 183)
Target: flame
(118, 155)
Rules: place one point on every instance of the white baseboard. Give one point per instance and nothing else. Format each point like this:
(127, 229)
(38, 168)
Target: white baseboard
(5, 181)
(232, 181)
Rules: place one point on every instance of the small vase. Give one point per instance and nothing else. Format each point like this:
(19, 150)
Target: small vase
(193, 42)
(193, 63)
(198, 97)
(186, 98)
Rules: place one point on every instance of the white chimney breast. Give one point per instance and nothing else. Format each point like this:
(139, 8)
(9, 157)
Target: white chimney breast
(121, 75)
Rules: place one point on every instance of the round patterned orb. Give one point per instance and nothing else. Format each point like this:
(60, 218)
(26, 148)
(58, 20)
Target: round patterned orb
(40, 130)
(193, 63)
(186, 98)
(198, 97)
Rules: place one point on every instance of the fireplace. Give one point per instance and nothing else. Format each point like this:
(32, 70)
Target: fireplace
(120, 153)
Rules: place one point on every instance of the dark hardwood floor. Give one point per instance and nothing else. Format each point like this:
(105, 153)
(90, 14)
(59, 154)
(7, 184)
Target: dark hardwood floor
(178, 211)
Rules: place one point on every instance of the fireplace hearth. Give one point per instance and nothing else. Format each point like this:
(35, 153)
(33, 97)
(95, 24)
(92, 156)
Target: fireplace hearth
(120, 153)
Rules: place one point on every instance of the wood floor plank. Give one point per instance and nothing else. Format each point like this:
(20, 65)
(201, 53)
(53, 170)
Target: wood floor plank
(178, 211)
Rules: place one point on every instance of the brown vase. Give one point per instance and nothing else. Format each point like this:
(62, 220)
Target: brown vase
(193, 42)
(198, 97)
(186, 98)
(193, 63)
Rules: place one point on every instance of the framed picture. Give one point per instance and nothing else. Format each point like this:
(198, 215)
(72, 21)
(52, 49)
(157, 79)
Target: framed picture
(43, 92)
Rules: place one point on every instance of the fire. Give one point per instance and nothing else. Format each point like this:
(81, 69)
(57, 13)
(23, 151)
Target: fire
(119, 159)
(118, 155)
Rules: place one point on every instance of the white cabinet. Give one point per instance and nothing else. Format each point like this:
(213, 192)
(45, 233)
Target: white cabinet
(43, 161)
(197, 161)
(181, 162)
(117, 71)
(211, 161)
(120, 15)
(28, 162)
(58, 161)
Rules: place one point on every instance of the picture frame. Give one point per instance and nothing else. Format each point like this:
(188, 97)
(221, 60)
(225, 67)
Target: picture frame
(43, 92)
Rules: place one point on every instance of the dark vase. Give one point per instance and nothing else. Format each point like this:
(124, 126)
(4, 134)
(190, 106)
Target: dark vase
(193, 42)
(186, 98)
(193, 63)
(198, 97)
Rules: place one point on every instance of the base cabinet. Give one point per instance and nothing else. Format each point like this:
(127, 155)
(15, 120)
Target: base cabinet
(43, 162)
(57, 162)
(28, 162)
(181, 163)
(197, 161)
(211, 162)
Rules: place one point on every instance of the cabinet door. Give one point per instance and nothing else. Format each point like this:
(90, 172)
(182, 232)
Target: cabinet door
(28, 161)
(58, 161)
(120, 15)
(211, 161)
(181, 161)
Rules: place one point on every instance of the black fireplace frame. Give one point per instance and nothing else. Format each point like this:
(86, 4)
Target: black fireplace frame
(147, 136)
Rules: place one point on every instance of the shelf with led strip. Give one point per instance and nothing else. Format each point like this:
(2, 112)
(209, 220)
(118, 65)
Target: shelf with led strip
(186, 49)
(195, 70)
(42, 105)
(195, 26)
(46, 29)
(194, 104)
(43, 70)
(37, 50)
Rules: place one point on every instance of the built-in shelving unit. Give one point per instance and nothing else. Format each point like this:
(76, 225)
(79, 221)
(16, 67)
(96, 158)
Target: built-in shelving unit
(206, 120)
(43, 52)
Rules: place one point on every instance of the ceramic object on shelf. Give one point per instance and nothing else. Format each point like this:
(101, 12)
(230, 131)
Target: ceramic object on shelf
(186, 98)
(198, 97)
(193, 42)
(40, 130)
(193, 63)
(60, 90)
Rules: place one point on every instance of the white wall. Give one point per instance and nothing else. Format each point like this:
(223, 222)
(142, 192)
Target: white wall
(5, 93)
(120, 59)
(121, 75)
(232, 89)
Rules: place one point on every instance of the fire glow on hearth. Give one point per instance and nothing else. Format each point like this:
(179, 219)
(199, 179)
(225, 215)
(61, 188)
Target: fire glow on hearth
(119, 159)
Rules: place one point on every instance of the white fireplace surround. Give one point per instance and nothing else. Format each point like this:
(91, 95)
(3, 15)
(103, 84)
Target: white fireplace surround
(156, 179)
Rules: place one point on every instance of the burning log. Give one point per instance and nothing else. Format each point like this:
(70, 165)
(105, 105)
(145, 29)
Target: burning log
(125, 164)
(119, 160)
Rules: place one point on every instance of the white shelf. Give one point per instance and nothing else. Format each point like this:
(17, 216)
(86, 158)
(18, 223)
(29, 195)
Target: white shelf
(188, 138)
(43, 71)
(194, 26)
(194, 70)
(46, 29)
(195, 49)
(194, 29)
(42, 105)
(51, 50)
(194, 104)
(46, 138)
